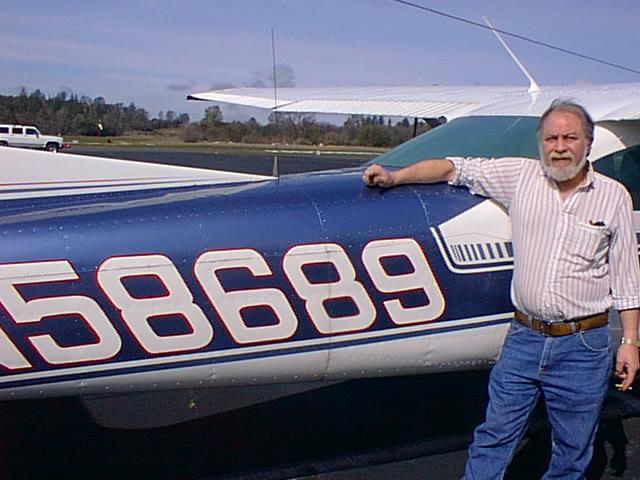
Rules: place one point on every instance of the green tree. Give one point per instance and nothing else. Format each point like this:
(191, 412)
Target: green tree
(212, 116)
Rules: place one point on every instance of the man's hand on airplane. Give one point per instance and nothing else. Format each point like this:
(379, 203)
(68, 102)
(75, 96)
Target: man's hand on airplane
(376, 175)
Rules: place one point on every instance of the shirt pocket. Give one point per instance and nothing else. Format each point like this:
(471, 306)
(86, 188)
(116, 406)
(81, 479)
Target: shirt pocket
(588, 243)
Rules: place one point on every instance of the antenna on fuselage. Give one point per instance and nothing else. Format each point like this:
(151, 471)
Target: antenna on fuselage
(533, 85)
(275, 171)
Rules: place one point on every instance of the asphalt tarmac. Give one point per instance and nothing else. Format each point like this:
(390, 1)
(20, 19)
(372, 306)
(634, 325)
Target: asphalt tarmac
(616, 456)
(258, 162)
(402, 428)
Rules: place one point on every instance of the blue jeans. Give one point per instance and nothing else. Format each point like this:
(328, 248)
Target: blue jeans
(571, 373)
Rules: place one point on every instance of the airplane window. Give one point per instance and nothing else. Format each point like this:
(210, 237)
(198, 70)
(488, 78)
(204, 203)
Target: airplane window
(492, 136)
(624, 166)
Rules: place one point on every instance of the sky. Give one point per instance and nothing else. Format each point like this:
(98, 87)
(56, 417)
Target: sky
(154, 53)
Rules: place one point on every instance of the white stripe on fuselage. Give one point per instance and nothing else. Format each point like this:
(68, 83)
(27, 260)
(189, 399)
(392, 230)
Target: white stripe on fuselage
(383, 335)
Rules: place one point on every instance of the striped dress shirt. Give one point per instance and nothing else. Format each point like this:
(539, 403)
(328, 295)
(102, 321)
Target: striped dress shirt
(572, 258)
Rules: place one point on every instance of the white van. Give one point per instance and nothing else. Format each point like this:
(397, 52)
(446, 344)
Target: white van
(26, 136)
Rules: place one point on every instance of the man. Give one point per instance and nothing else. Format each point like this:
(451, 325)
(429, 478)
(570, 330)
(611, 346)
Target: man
(575, 256)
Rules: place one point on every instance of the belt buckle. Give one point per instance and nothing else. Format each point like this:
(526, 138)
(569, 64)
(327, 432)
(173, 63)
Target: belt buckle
(545, 328)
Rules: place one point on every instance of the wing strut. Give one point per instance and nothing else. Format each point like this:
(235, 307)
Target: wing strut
(533, 85)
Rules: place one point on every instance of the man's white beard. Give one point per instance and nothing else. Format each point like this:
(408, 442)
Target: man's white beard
(562, 174)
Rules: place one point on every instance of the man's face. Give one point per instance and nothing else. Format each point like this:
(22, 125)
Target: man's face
(563, 145)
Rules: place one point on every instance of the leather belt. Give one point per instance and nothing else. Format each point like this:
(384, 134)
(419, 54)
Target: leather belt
(559, 329)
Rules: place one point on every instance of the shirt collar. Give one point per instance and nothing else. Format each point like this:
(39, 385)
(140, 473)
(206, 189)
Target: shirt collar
(590, 179)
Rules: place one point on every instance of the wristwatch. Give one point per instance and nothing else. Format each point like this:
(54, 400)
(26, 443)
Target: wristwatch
(629, 341)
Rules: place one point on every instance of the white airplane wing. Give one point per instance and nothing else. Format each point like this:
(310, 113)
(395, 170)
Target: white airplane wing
(30, 173)
(605, 102)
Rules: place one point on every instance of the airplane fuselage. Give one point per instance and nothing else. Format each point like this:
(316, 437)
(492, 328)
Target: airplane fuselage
(308, 278)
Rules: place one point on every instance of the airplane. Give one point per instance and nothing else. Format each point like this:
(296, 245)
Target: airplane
(613, 106)
(192, 292)
(176, 292)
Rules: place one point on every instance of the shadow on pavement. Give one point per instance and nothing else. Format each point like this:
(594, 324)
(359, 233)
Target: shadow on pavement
(351, 425)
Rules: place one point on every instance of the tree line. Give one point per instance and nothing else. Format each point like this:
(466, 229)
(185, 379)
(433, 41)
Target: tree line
(72, 115)
(66, 114)
(300, 129)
